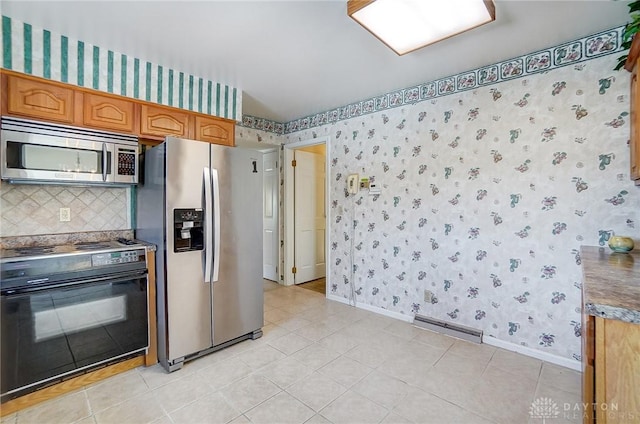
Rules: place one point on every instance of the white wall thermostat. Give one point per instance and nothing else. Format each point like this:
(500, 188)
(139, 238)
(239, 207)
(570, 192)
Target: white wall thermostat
(353, 181)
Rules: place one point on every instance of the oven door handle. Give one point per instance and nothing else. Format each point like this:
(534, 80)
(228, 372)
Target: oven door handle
(113, 278)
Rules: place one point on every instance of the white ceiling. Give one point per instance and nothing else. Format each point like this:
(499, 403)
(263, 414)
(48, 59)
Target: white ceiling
(297, 58)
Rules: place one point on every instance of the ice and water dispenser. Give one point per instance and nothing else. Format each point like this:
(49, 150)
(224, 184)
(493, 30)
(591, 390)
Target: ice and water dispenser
(188, 230)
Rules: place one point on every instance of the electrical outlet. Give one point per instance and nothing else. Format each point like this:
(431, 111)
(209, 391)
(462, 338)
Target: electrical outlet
(428, 296)
(65, 214)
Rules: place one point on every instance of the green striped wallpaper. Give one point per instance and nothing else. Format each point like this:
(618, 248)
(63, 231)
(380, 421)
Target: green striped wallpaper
(45, 54)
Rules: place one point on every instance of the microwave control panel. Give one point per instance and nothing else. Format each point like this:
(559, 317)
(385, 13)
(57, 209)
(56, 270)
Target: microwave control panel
(126, 161)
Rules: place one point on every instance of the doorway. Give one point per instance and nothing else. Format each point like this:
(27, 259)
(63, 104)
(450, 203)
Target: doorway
(271, 233)
(305, 211)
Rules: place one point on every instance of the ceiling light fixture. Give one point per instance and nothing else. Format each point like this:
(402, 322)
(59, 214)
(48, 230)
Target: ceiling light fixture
(407, 25)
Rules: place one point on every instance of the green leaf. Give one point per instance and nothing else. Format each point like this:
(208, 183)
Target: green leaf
(622, 60)
(633, 28)
(629, 30)
(628, 36)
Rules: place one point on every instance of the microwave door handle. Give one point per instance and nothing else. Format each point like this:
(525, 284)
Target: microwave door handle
(208, 248)
(216, 225)
(104, 161)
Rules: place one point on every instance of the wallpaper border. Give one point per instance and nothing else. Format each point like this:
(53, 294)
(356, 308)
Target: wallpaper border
(570, 53)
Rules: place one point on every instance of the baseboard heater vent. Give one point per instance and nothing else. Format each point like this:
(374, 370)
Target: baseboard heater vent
(454, 330)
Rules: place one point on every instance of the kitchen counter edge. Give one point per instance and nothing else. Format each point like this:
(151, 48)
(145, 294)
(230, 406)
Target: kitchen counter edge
(611, 283)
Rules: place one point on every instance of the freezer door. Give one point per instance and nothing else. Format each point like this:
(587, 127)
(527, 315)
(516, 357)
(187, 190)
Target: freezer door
(188, 297)
(238, 291)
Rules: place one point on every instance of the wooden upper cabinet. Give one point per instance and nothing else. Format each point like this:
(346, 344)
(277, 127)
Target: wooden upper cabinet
(634, 141)
(29, 98)
(32, 97)
(216, 131)
(160, 121)
(108, 113)
(633, 65)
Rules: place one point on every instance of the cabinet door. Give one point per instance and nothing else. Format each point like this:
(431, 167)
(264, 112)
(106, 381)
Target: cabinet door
(634, 143)
(108, 113)
(588, 365)
(617, 371)
(39, 100)
(161, 122)
(214, 130)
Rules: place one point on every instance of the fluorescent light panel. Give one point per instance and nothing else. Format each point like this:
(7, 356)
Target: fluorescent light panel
(407, 25)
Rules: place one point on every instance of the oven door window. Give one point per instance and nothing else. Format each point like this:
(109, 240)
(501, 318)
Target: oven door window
(49, 333)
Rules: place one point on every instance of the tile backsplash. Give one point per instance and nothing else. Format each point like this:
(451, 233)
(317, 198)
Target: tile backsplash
(35, 209)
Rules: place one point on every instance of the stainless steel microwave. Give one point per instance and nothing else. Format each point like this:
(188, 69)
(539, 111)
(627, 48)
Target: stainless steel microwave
(39, 152)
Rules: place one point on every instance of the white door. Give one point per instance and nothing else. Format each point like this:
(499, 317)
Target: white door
(309, 210)
(270, 216)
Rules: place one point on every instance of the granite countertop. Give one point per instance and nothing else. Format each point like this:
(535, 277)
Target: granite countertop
(69, 238)
(150, 246)
(611, 283)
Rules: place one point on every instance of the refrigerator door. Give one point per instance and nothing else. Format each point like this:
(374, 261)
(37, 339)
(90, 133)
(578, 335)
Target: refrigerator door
(188, 297)
(238, 291)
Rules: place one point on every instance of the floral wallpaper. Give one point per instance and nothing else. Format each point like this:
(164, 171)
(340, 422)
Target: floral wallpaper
(486, 197)
(567, 54)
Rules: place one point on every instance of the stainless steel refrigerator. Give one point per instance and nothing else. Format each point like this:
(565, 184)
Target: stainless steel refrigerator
(201, 204)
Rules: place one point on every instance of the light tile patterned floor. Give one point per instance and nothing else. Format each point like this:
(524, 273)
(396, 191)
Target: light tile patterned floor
(319, 285)
(320, 361)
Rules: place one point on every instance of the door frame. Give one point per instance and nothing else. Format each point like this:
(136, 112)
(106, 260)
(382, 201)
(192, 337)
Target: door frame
(289, 253)
(276, 150)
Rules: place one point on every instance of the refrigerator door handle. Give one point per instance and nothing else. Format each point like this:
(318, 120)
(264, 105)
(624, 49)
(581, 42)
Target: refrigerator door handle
(216, 225)
(208, 224)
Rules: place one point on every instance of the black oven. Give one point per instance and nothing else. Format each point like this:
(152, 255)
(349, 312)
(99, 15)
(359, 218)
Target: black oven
(56, 327)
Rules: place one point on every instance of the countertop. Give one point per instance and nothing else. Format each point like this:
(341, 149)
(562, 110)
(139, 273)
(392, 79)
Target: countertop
(69, 238)
(150, 246)
(611, 283)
